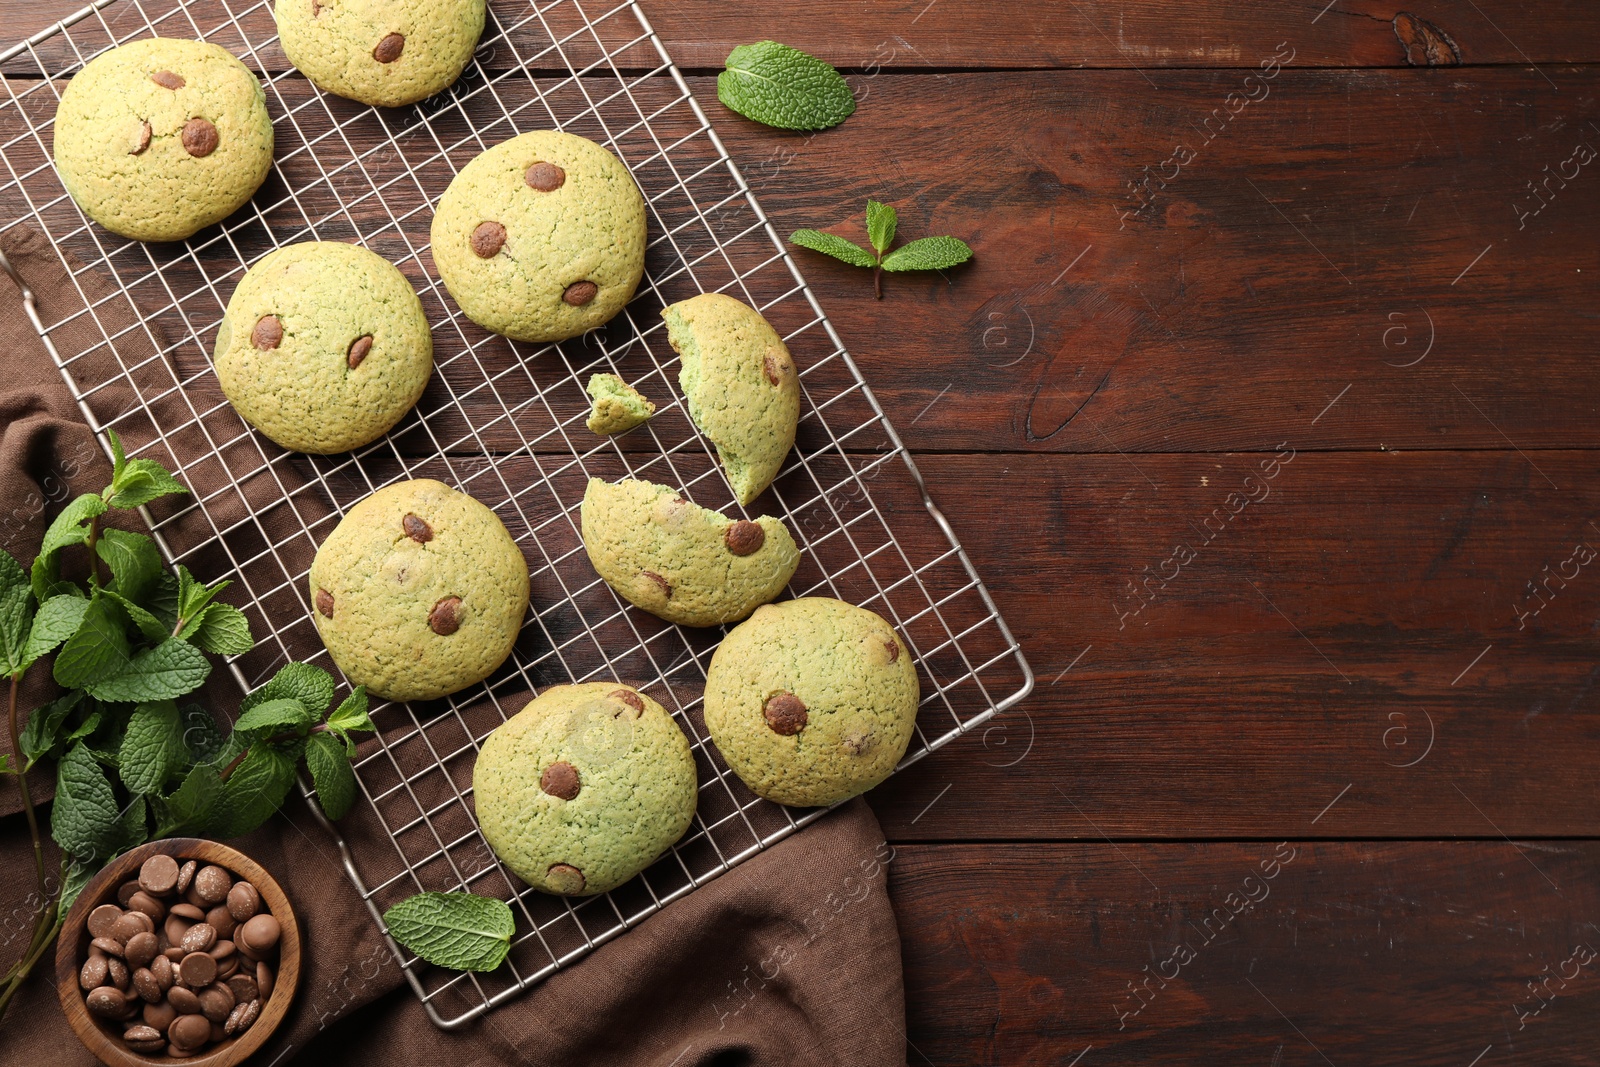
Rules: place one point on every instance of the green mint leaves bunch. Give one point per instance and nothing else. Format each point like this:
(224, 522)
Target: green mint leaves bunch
(462, 931)
(130, 640)
(780, 86)
(926, 253)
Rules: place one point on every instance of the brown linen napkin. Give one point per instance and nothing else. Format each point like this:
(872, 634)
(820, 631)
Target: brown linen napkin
(791, 958)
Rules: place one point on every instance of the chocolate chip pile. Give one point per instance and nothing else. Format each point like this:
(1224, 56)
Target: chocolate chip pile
(186, 957)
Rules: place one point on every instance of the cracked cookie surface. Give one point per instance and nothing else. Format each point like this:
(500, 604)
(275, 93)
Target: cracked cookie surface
(324, 347)
(419, 591)
(679, 561)
(383, 52)
(741, 385)
(811, 701)
(161, 137)
(584, 788)
(541, 237)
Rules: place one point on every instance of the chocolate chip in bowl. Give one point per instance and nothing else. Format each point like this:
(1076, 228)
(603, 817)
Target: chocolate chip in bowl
(179, 949)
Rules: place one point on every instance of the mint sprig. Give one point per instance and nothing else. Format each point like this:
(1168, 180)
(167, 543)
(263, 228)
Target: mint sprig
(462, 931)
(926, 253)
(128, 642)
(777, 85)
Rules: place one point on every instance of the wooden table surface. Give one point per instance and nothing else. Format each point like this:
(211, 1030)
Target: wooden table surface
(1268, 412)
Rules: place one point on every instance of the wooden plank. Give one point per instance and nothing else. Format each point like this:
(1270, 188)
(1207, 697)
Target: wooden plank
(1355, 230)
(1408, 953)
(1352, 634)
(907, 34)
(1349, 232)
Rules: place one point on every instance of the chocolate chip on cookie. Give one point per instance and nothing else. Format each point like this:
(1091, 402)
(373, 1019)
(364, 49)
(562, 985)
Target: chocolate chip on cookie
(744, 537)
(545, 177)
(773, 368)
(580, 293)
(388, 50)
(487, 239)
(565, 879)
(325, 603)
(785, 714)
(560, 779)
(358, 351)
(628, 697)
(168, 80)
(268, 333)
(200, 138)
(445, 618)
(417, 528)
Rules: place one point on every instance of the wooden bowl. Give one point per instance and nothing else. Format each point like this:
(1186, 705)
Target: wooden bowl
(105, 1039)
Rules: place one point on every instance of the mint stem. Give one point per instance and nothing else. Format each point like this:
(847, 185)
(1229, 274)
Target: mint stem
(22, 785)
(94, 557)
(877, 276)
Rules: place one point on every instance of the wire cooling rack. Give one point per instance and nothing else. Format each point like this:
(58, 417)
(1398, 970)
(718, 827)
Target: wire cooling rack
(501, 421)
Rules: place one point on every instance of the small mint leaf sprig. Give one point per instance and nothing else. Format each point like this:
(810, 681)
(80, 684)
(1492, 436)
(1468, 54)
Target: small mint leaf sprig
(926, 253)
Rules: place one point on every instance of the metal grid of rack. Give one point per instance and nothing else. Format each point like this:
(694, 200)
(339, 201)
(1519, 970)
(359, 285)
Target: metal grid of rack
(499, 420)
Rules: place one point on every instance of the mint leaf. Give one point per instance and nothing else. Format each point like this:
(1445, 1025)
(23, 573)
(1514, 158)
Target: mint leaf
(169, 670)
(68, 529)
(273, 714)
(881, 219)
(201, 734)
(97, 650)
(462, 931)
(929, 253)
(85, 819)
(311, 686)
(253, 792)
(194, 595)
(143, 481)
(43, 731)
(784, 87)
(15, 593)
(189, 806)
(831, 245)
(135, 564)
(222, 630)
(74, 877)
(163, 601)
(152, 748)
(330, 770)
(132, 830)
(150, 627)
(351, 715)
(90, 723)
(56, 620)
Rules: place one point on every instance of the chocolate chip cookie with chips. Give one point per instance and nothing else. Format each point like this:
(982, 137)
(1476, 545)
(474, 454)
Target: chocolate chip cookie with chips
(161, 137)
(541, 237)
(811, 701)
(419, 591)
(679, 561)
(382, 52)
(324, 347)
(584, 788)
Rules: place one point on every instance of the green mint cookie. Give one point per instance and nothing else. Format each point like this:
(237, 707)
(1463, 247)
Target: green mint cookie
(160, 138)
(383, 52)
(741, 385)
(541, 237)
(682, 562)
(584, 788)
(811, 701)
(418, 592)
(324, 347)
